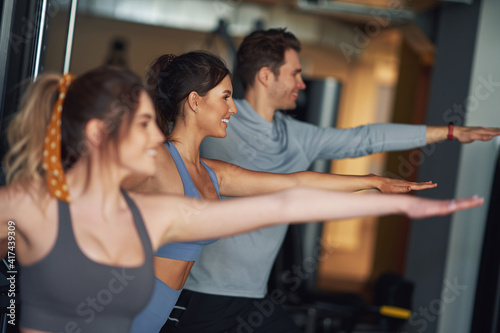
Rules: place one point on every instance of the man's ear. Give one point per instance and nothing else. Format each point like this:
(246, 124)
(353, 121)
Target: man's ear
(94, 130)
(193, 101)
(264, 76)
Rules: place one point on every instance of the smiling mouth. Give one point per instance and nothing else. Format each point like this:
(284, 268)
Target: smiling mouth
(226, 121)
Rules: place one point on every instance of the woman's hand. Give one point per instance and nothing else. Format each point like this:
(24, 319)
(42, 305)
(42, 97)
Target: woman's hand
(390, 185)
(421, 208)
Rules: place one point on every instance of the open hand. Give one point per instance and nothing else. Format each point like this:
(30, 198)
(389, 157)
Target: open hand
(420, 208)
(470, 134)
(390, 185)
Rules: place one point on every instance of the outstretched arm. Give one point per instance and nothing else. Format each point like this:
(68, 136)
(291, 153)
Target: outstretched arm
(237, 182)
(461, 133)
(184, 219)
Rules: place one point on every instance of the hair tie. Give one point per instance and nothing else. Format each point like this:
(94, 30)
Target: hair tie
(169, 57)
(54, 172)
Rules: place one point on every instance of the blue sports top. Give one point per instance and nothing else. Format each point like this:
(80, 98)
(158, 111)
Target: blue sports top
(152, 318)
(187, 251)
(66, 291)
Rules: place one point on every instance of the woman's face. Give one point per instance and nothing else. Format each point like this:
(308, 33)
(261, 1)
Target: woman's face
(137, 150)
(215, 109)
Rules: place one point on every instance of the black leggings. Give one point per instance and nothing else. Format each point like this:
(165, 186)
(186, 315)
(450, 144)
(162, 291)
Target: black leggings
(197, 312)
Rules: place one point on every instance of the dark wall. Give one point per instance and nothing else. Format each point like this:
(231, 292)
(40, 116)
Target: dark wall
(455, 44)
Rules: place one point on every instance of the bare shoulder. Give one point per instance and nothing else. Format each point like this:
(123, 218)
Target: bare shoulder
(14, 198)
(27, 206)
(166, 179)
(166, 164)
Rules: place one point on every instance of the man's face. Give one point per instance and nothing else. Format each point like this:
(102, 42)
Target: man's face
(284, 88)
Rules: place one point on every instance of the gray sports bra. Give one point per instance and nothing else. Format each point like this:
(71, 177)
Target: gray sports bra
(66, 291)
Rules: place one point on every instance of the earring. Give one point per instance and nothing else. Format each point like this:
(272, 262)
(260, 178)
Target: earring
(196, 110)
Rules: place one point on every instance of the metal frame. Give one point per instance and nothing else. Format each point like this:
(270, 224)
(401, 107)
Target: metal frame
(70, 36)
(39, 41)
(7, 14)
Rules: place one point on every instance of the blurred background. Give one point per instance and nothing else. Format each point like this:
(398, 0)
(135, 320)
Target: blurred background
(364, 61)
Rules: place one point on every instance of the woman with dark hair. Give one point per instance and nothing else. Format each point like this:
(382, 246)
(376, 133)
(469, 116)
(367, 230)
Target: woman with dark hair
(192, 94)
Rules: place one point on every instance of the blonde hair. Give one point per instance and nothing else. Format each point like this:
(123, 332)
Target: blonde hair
(26, 132)
(104, 93)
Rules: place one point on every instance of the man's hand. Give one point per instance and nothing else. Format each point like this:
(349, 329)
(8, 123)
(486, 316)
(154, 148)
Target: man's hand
(469, 134)
(461, 133)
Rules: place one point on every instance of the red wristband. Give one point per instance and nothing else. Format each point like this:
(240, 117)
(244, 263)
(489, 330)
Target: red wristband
(450, 131)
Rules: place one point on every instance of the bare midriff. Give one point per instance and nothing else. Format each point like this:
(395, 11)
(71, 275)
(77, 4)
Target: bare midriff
(172, 272)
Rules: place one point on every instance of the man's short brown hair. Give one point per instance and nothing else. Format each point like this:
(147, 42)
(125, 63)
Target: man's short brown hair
(264, 48)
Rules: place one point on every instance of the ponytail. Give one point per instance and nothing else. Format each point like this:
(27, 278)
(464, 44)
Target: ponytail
(156, 81)
(26, 132)
(107, 94)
